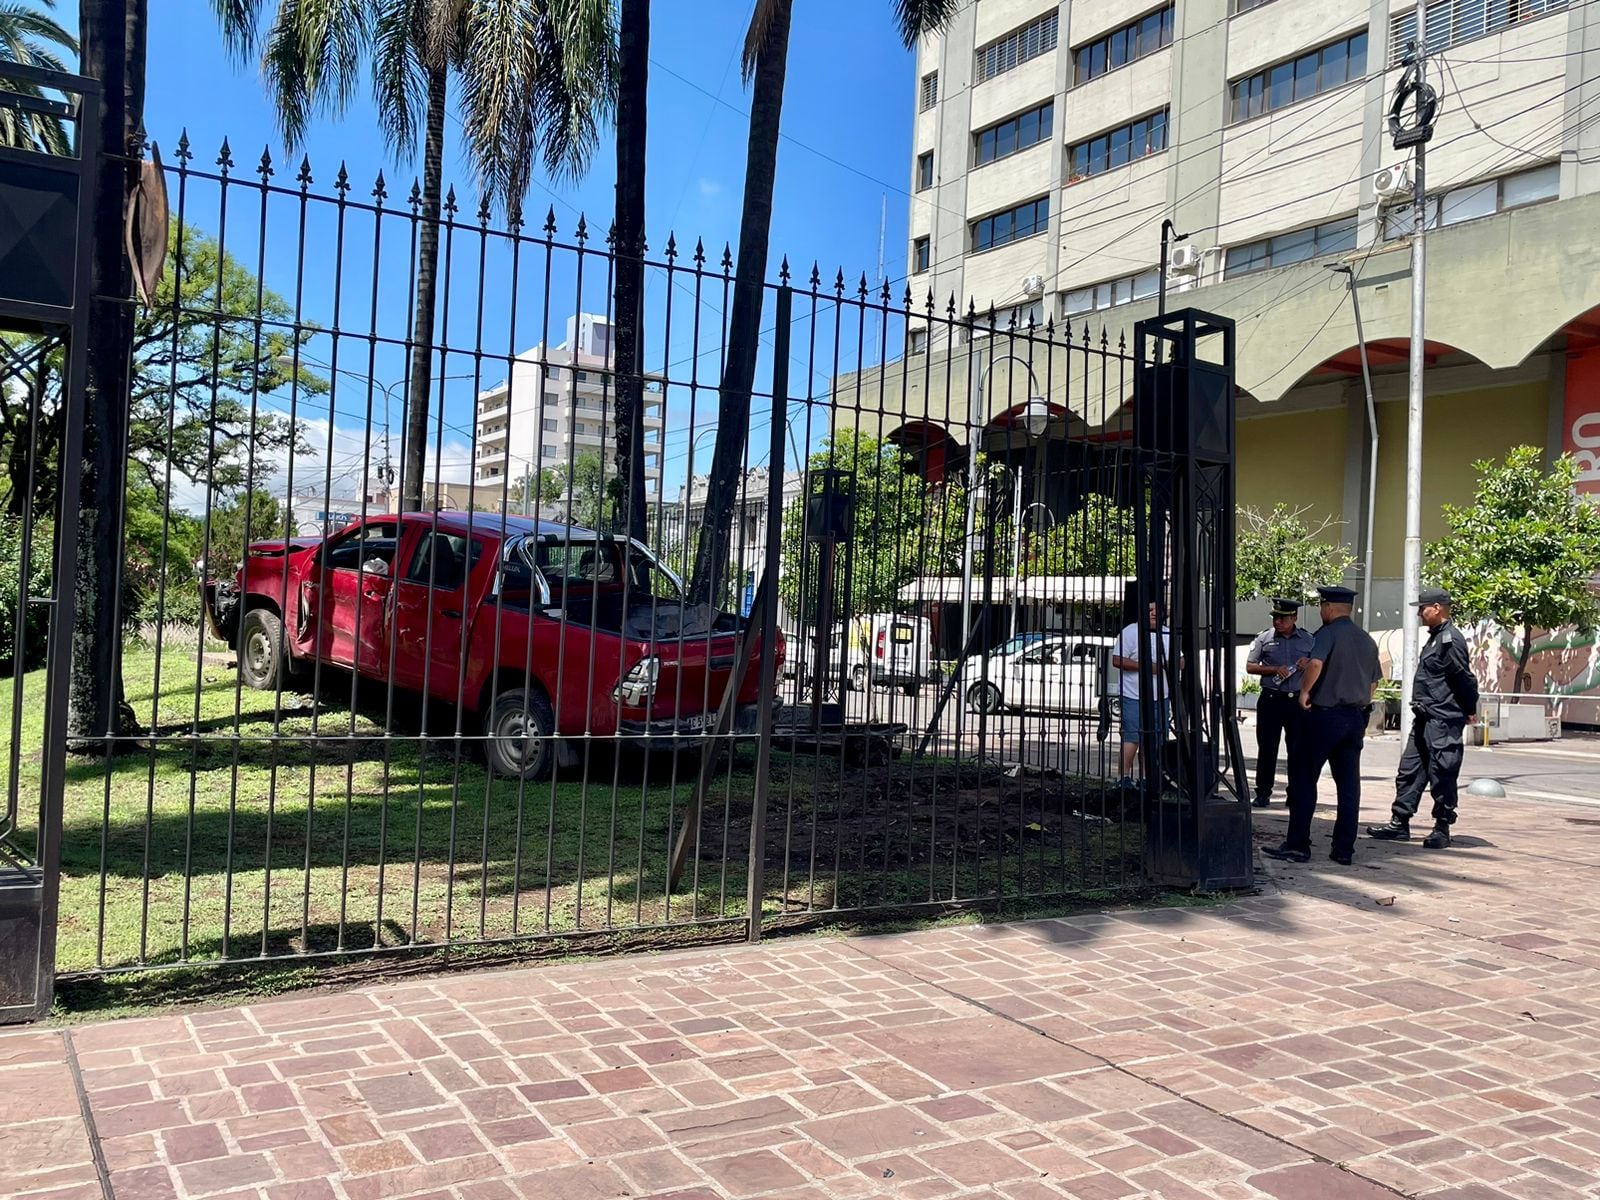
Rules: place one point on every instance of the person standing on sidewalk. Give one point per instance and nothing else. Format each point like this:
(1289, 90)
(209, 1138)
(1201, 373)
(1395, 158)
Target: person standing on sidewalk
(1278, 657)
(1139, 742)
(1443, 701)
(1341, 677)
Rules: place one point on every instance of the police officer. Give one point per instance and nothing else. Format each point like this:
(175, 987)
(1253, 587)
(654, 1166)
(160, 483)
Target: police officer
(1443, 699)
(1278, 657)
(1341, 675)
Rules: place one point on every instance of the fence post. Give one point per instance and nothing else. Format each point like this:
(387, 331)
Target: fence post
(757, 875)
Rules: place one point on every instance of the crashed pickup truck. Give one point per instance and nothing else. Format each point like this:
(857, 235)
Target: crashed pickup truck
(539, 631)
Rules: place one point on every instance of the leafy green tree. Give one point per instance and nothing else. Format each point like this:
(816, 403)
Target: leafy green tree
(902, 530)
(31, 37)
(224, 543)
(1525, 552)
(1282, 553)
(1095, 539)
(531, 75)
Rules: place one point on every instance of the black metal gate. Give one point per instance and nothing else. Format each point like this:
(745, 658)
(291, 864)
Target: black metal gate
(356, 726)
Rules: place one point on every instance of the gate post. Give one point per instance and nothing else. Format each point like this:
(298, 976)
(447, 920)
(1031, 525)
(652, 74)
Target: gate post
(1198, 832)
(767, 605)
(44, 288)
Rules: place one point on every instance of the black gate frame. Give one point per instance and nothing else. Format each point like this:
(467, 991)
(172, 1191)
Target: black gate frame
(30, 883)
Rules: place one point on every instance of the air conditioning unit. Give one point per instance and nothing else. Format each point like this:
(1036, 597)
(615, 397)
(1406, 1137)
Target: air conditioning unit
(1392, 182)
(1183, 260)
(1033, 285)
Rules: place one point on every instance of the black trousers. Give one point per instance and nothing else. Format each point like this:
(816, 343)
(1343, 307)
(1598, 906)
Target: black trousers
(1432, 760)
(1277, 721)
(1329, 737)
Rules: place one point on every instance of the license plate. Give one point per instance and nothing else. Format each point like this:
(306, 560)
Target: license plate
(702, 721)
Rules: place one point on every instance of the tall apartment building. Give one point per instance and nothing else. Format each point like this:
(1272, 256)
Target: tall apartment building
(558, 403)
(1052, 139)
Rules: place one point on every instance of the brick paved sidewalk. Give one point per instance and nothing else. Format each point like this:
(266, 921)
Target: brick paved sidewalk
(1308, 1042)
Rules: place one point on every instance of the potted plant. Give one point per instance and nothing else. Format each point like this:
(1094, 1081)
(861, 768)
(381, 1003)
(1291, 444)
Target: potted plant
(1249, 694)
(1385, 707)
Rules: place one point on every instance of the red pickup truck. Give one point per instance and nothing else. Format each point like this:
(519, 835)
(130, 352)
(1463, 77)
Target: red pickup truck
(535, 629)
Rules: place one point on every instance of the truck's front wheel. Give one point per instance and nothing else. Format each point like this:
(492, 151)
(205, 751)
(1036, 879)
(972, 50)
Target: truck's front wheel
(521, 735)
(263, 657)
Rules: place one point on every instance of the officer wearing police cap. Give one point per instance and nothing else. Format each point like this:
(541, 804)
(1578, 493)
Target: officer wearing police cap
(1443, 700)
(1341, 676)
(1277, 657)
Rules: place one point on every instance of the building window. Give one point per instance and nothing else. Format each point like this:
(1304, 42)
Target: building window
(1321, 70)
(1122, 46)
(930, 90)
(578, 427)
(583, 377)
(553, 372)
(1331, 237)
(1241, 6)
(921, 250)
(549, 424)
(1475, 200)
(1012, 225)
(1017, 47)
(548, 451)
(1453, 21)
(1013, 134)
(924, 171)
(1111, 293)
(1117, 147)
(1022, 319)
(917, 341)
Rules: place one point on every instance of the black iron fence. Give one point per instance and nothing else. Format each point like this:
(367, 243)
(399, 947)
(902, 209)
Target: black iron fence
(341, 724)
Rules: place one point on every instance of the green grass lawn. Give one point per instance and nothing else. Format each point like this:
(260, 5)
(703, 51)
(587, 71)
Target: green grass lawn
(306, 830)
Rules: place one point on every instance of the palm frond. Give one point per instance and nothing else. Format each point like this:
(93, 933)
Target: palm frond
(917, 17)
(312, 60)
(241, 26)
(399, 84)
(755, 38)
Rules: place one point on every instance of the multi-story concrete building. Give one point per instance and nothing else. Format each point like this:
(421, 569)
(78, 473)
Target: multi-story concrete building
(681, 524)
(559, 403)
(1052, 139)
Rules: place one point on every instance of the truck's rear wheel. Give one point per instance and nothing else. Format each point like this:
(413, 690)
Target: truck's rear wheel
(263, 657)
(858, 678)
(521, 735)
(984, 697)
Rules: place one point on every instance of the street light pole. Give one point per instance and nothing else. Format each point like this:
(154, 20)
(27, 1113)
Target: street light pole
(1372, 444)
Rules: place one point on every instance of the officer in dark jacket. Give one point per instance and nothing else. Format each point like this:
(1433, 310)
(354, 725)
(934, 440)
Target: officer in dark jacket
(1443, 700)
(1277, 657)
(1340, 677)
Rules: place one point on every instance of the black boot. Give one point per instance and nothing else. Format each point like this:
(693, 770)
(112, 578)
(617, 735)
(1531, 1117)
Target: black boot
(1262, 800)
(1394, 831)
(1439, 838)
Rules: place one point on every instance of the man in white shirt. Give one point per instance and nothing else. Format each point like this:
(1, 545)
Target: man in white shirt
(1137, 742)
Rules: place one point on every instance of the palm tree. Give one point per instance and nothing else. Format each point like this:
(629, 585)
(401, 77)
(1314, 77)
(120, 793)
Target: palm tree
(628, 284)
(766, 52)
(534, 75)
(26, 37)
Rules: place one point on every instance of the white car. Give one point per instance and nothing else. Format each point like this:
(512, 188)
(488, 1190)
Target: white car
(1061, 673)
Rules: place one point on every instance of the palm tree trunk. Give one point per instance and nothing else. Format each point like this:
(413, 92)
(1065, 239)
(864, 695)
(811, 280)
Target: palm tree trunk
(113, 40)
(421, 376)
(709, 579)
(628, 292)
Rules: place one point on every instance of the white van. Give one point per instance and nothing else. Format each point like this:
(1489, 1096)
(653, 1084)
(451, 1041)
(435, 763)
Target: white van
(888, 650)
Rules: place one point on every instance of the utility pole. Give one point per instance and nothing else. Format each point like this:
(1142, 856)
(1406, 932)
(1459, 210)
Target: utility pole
(1414, 88)
(1372, 445)
(1169, 234)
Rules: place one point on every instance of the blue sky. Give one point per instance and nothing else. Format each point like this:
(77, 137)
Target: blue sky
(849, 98)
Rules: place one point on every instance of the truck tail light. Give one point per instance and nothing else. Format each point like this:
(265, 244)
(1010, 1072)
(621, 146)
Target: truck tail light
(635, 688)
(880, 643)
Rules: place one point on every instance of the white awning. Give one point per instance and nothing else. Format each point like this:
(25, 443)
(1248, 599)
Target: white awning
(1041, 589)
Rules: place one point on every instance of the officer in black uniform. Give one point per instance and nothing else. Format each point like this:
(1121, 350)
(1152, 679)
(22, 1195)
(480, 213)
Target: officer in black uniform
(1443, 699)
(1341, 675)
(1277, 657)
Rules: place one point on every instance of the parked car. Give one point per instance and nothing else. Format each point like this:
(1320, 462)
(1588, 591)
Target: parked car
(1056, 674)
(535, 628)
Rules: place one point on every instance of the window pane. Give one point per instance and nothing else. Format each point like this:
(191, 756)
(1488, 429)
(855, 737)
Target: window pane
(985, 146)
(1028, 128)
(1121, 291)
(1005, 139)
(1463, 204)
(1281, 86)
(1244, 259)
(1158, 132)
(1241, 99)
(1046, 120)
(1527, 187)
(1335, 65)
(1080, 161)
(1141, 138)
(1119, 48)
(1358, 56)
(1102, 295)
(1168, 21)
(1305, 76)
(1336, 236)
(1147, 284)
(1079, 301)
(1119, 146)
(1293, 247)
(1099, 150)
